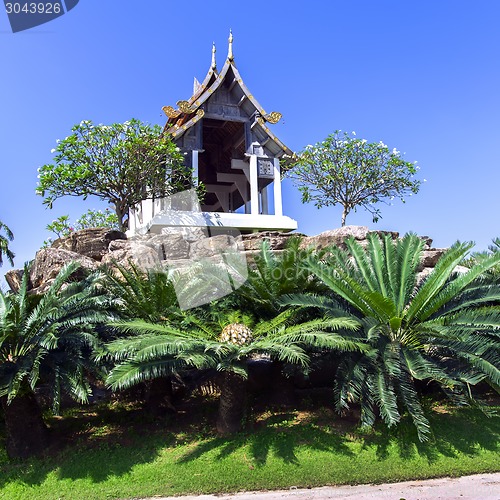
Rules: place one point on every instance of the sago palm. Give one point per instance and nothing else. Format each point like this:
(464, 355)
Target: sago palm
(140, 294)
(147, 295)
(224, 341)
(275, 274)
(46, 340)
(441, 328)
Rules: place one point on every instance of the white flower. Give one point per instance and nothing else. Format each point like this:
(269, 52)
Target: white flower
(353, 133)
(395, 151)
(425, 180)
(58, 141)
(38, 169)
(52, 150)
(363, 141)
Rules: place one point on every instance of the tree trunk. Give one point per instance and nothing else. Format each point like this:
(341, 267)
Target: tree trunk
(27, 434)
(282, 387)
(232, 404)
(159, 395)
(120, 213)
(344, 215)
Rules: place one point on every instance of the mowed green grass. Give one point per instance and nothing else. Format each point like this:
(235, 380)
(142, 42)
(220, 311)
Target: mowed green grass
(113, 455)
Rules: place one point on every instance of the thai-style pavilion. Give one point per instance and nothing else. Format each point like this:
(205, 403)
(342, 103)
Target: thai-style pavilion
(223, 133)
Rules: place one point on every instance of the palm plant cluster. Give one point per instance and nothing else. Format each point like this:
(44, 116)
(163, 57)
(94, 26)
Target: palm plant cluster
(392, 332)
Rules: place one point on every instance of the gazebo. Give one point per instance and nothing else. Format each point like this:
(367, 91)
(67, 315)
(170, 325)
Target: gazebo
(223, 133)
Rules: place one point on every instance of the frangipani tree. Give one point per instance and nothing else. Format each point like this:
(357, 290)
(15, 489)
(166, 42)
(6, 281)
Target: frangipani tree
(351, 172)
(121, 163)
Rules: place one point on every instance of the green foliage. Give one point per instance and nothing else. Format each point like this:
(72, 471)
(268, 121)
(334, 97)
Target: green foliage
(122, 164)
(478, 257)
(154, 350)
(274, 275)
(138, 294)
(98, 218)
(61, 226)
(49, 338)
(4, 244)
(443, 328)
(343, 170)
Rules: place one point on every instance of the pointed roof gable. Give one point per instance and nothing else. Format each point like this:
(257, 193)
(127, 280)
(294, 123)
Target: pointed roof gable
(191, 111)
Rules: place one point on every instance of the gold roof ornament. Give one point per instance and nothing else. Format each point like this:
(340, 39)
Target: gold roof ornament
(230, 48)
(214, 64)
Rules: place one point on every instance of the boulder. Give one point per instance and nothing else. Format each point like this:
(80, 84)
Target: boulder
(277, 240)
(92, 242)
(131, 252)
(431, 256)
(171, 246)
(213, 246)
(338, 236)
(49, 261)
(14, 278)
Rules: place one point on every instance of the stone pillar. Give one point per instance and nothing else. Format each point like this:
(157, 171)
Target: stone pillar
(278, 202)
(254, 186)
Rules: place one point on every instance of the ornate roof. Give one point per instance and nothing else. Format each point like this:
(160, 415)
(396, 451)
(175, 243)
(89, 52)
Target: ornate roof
(189, 112)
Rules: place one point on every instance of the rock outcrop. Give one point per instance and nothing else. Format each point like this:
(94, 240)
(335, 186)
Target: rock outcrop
(49, 261)
(92, 242)
(97, 246)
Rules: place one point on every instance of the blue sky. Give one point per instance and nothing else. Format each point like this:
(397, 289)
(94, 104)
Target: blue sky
(423, 77)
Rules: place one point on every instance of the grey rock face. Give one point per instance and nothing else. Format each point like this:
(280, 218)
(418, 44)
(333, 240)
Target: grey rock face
(92, 242)
(49, 261)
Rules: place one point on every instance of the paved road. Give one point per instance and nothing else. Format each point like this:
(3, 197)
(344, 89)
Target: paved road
(478, 487)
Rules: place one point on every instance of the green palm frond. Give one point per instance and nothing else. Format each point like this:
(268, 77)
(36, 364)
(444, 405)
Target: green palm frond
(50, 338)
(443, 329)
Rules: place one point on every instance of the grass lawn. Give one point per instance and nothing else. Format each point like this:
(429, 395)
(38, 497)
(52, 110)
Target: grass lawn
(119, 452)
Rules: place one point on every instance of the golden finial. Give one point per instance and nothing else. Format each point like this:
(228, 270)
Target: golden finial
(230, 50)
(214, 64)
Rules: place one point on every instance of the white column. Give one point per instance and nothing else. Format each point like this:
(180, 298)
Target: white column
(254, 186)
(278, 202)
(147, 210)
(195, 166)
(265, 201)
(132, 221)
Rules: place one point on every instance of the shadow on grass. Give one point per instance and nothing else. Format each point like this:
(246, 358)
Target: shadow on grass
(464, 432)
(109, 443)
(93, 444)
(459, 432)
(283, 442)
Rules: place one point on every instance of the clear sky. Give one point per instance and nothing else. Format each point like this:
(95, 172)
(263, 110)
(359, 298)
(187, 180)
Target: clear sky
(423, 77)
